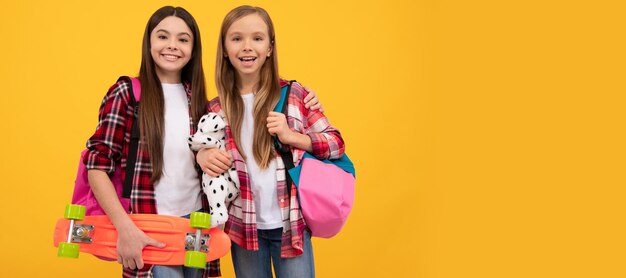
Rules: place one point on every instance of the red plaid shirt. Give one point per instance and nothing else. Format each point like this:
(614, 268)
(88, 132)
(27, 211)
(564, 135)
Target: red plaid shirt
(109, 145)
(327, 143)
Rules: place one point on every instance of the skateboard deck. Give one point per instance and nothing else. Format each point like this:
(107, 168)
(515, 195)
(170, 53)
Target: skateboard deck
(98, 236)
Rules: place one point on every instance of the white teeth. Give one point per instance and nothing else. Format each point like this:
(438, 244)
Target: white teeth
(170, 56)
(247, 58)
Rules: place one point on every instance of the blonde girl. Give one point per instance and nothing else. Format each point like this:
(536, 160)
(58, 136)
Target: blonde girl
(265, 223)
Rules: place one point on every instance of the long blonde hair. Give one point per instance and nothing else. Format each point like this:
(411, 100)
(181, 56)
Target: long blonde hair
(266, 97)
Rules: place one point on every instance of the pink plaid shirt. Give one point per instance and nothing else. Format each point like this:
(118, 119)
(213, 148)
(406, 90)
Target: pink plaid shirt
(327, 143)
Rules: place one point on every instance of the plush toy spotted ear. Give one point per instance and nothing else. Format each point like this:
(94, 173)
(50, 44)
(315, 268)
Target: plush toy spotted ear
(210, 133)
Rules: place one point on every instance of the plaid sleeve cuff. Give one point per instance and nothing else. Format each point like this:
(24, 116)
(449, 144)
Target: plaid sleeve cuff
(94, 161)
(319, 145)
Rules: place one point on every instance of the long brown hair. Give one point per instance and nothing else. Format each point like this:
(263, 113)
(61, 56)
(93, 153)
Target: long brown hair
(266, 97)
(151, 106)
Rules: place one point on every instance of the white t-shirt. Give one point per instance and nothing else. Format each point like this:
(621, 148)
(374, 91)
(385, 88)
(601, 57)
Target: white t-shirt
(178, 191)
(262, 181)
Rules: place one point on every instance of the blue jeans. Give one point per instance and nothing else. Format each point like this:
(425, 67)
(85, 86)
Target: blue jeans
(176, 271)
(258, 264)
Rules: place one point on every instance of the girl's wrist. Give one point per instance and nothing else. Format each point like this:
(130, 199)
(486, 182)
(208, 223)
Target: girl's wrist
(299, 140)
(291, 138)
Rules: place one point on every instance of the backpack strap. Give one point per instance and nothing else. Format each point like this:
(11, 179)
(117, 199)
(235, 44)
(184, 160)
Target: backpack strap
(131, 160)
(281, 106)
(285, 152)
(135, 88)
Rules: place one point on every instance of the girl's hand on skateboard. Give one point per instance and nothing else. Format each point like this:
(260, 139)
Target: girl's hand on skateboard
(130, 243)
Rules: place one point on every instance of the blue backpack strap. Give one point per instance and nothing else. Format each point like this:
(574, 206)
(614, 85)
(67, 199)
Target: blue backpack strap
(284, 91)
(285, 152)
(131, 160)
(281, 106)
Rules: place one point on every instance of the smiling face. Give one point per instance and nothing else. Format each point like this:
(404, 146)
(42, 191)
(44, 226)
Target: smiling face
(248, 45)
(171, 46)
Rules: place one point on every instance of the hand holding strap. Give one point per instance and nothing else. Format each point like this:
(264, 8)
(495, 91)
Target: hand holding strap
(284, 150)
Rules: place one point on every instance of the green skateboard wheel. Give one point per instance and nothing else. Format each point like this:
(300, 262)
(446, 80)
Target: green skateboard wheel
(74, 212)
(200, 220)
(68, 250)
(195, 259)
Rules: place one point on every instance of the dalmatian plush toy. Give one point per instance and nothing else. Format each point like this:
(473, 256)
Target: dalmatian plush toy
(220, 190)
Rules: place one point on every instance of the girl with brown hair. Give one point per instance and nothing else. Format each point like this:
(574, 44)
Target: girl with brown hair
(172, 101)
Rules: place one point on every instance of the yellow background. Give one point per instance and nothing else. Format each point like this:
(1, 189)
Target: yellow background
(488, 135)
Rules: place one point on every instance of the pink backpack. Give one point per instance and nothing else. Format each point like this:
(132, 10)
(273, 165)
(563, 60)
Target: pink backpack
(82, 190)
(325, 192)
(325, 187)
